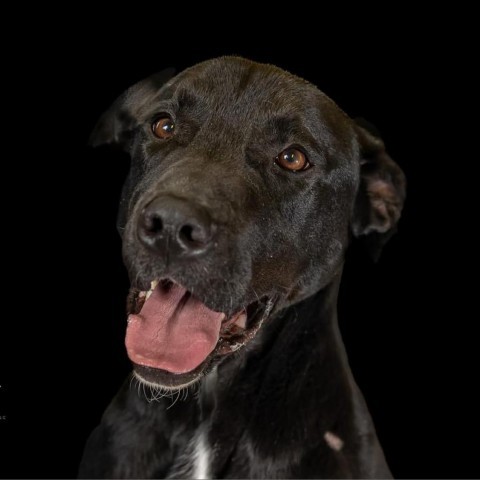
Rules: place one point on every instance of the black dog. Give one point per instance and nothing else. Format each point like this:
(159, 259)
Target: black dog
(246, 186)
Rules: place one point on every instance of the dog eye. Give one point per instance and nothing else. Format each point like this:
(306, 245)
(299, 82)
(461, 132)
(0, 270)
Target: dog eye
(292, 159)
(163, 128)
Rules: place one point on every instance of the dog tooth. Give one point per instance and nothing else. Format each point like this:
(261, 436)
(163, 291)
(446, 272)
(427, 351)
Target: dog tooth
(153, 286)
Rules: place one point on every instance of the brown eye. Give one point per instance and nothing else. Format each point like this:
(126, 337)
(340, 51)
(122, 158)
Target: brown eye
(292, 159)
(163, 128)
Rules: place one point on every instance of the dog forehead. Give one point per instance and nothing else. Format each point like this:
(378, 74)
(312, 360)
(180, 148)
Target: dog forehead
(243, 86)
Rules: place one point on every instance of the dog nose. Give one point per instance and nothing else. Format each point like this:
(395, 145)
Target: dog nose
(175, 225)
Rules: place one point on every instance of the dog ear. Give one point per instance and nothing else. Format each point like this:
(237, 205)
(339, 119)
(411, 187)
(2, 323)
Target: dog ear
(381, 192)
(115, 125)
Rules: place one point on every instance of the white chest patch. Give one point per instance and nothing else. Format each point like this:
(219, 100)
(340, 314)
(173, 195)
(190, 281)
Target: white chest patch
(201, 457)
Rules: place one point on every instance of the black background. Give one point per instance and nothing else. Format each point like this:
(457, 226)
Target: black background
(405, 320)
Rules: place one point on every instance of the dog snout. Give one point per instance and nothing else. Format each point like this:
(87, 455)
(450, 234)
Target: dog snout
(175, 226)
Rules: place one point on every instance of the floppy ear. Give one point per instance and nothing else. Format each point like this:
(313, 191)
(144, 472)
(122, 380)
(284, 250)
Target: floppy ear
(381, 192)
(115, 125)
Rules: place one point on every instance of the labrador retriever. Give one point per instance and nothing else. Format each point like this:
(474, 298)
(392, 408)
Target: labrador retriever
(246, 186)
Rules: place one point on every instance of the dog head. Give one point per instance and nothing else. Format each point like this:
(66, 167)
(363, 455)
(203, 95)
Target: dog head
(245, 186)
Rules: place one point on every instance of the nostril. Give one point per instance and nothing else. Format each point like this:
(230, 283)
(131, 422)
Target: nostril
(153, 224)
(186, 234)
(193, 236)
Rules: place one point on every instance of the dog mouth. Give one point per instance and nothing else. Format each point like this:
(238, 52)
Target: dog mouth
(173, 337)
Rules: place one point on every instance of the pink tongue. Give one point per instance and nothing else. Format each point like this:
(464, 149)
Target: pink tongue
(174, 331)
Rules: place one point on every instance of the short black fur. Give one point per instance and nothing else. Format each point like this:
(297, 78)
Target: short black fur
(266, 409)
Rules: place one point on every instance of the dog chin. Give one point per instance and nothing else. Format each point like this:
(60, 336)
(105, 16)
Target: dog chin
(166, 381)
(174, 339)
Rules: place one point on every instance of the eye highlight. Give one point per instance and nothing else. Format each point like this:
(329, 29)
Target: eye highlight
(292, 159)
(163, 128)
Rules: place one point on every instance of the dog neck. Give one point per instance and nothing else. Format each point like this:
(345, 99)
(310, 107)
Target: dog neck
(304, 332)
(301, 338)
(298, 359)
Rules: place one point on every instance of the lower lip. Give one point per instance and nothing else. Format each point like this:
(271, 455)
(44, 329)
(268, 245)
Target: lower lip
(167, 380)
